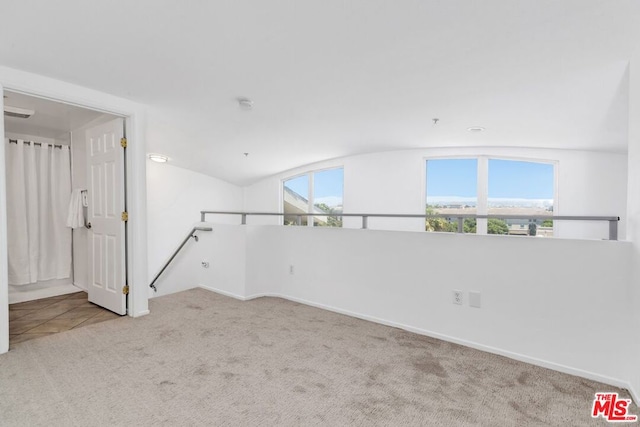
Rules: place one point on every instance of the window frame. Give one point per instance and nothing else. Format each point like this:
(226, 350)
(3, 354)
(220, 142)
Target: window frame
(311, 186)
(482, 180)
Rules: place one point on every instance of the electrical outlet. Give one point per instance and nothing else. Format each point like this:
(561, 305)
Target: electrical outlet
(291, 270)
(458, 297)
(205, 264)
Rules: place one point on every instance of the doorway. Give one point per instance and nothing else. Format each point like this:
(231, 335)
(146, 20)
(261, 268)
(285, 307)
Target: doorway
(135, 118)
(59, 141)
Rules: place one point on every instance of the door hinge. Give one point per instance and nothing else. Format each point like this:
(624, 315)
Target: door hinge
(123, 142)
(125, 216)
(125, 290)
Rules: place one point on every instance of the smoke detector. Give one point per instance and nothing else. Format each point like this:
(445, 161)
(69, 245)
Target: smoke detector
(21, 113)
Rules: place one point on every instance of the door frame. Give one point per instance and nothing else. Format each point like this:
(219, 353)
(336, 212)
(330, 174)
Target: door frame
(134, 115)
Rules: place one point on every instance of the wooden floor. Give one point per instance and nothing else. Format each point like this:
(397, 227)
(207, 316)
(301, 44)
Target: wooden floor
(39, 318)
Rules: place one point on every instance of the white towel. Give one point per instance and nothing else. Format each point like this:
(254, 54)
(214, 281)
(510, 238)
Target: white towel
(75, 218)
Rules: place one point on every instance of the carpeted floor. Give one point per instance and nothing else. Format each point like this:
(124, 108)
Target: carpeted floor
(203, 359)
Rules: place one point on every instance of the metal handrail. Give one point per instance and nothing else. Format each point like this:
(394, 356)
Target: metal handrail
(191, 234)
(613, 220)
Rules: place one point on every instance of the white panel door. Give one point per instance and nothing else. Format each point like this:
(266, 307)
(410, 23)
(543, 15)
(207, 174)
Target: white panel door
(107, 268)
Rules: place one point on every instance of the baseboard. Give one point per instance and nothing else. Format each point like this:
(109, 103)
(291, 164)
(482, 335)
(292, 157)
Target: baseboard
(634, 395)
(83, 287)
(267, 294)
(141, 313)
(240, 297)
(616, 382)
(225, 293)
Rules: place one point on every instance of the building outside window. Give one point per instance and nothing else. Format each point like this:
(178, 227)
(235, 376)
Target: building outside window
(317, 192)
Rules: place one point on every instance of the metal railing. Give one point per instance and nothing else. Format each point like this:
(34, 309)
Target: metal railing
(192, 234)
(612, 220)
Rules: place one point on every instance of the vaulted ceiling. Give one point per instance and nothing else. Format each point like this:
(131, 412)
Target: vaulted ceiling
(330, 78)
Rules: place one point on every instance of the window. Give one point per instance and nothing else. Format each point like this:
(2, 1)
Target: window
(452, 188)
(296, 199)
(520, 188)
(502, 187)
(319, 192)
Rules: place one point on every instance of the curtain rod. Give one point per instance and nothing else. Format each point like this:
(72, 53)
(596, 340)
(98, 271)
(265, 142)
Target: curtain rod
(15, 141)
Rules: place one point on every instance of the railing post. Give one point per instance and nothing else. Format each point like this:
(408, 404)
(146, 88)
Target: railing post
(613, 230)
(244, 219)
(202, 214)
(365, 222)
(460, 225)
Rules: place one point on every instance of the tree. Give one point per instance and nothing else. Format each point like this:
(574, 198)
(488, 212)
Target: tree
(497, 226)
(439, 224)
(494, 225)
(469, 225)
(547, 223)
(442, 224)
(332, 221)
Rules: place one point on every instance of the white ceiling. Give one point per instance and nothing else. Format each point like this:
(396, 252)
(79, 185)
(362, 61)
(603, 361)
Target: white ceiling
(50, 120)
(331, 77)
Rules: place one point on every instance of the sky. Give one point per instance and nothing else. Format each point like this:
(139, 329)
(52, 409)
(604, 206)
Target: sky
(448, 177)
(507, 179)
(328, 186)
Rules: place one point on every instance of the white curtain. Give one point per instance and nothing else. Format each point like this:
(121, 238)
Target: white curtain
(38, 192)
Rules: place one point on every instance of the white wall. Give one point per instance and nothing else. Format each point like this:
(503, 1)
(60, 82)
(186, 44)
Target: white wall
(175, 197)
(224, 249)
(4, 269)
(394, 182)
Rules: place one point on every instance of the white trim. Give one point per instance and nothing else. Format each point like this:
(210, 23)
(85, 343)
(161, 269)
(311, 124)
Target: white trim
(310, 191)
(634, 395)
(556, 195)
(4, 268)
(482, 194)
(225, 293)
(616, 382)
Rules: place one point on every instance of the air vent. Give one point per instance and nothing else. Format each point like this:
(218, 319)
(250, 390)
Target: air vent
(20, 113)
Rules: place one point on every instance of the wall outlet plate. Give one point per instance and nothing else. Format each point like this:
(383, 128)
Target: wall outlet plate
(458, 297)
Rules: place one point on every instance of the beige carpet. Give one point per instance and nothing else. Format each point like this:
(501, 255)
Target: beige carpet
(204, 359)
